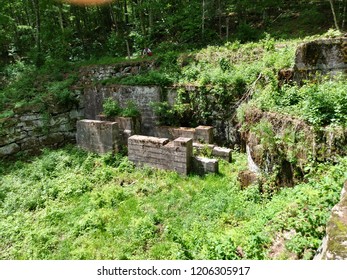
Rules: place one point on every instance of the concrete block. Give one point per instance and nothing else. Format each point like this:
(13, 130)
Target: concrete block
(183, 142)
(203, 165)
(97, 136)
(185, 132)
(223, 153)
(204, 134)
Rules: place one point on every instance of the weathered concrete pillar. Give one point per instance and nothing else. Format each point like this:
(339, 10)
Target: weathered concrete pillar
(204, 134)
(97, 136)
(182, 155)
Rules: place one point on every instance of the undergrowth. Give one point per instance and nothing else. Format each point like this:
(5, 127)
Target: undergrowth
(69, 204)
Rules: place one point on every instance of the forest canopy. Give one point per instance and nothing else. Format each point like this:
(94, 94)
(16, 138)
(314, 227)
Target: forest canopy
(40, 30)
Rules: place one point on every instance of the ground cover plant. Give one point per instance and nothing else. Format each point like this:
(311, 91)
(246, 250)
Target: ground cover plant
(69, 204)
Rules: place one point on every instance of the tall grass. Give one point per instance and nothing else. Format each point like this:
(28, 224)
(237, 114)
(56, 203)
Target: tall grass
(68, 204)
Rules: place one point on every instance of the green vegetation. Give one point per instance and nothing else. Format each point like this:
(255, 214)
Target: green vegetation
(69, 204)
(113, 109)
(26, 84)
(321, 103)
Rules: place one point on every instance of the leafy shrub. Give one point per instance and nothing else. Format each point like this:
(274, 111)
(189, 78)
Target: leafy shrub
(130, 110)
(165, 113)
(111, 108)
(61, 91)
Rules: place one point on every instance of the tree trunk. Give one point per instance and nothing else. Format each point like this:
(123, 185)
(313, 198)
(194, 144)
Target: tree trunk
(203, 19)
(220, 19)
(334, 14)
(128, 48)
(61, 21)
(344, 15)
(38, 58)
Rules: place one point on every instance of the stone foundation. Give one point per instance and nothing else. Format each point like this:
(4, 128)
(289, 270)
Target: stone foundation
(161, 153)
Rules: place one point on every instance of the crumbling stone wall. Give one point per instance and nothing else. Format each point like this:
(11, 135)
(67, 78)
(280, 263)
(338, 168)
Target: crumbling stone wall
(89, 74)
(34, 127)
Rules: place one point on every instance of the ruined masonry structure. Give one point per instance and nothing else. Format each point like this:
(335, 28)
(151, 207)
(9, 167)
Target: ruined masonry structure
(324, 56)
(161, 153)
(177, 155)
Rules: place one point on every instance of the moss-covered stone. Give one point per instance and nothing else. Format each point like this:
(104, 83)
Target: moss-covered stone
(335, 246)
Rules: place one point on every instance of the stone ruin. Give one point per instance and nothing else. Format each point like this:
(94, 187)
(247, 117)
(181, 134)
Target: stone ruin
(159, 152)
(324, 57)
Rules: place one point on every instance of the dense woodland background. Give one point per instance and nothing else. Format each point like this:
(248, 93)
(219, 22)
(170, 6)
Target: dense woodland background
(41, 30)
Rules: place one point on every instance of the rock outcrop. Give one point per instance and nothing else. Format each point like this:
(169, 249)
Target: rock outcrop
(325, 56)
(335, 243)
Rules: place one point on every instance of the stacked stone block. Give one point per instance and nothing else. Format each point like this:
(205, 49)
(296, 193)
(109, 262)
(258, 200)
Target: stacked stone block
(182, 155)
(97, 136)
(204, 134)
(161, 153)
(31, 128)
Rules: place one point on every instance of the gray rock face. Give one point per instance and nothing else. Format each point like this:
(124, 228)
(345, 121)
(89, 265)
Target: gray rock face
(327, 56)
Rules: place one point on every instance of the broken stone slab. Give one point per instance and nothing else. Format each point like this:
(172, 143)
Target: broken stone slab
(203, 165)
(149, 140)
(222, 153)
